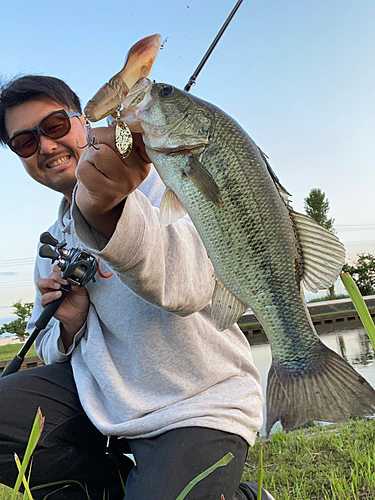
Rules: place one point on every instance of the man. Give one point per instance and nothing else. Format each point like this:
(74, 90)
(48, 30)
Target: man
(133, 362)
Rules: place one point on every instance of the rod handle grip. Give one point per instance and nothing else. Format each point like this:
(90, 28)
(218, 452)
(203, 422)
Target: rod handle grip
(51, 308)
(13, 366)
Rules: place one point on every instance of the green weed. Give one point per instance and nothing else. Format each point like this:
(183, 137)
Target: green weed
(319, 463)
(316, 463)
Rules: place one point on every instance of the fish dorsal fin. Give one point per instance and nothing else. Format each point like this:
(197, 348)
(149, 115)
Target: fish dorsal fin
(282, 191)
(322, 251)
(171, 209)
(203, 180)
(226, 308)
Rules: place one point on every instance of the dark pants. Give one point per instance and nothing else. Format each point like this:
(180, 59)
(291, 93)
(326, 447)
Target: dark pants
(71, 448)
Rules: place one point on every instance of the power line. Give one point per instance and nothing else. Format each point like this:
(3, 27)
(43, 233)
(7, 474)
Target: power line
(17, 284)
(17, 262)
(357, 227)
(359, 243)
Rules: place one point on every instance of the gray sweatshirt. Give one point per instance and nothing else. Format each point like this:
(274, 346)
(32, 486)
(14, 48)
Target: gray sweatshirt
(148, 358)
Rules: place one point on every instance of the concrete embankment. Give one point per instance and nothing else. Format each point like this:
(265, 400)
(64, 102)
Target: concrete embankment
(327, 316)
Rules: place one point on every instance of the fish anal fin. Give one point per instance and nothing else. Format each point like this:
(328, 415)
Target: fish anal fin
(322, 251)
(226, 307)
(203, 180)
(171, 208)
(325, 388)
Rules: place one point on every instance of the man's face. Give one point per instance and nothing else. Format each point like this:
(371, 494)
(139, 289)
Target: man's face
(55, 161)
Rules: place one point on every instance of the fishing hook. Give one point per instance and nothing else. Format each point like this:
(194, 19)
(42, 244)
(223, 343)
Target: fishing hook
(90, 137)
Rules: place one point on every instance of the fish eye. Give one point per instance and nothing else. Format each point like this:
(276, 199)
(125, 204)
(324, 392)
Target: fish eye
(166, 91)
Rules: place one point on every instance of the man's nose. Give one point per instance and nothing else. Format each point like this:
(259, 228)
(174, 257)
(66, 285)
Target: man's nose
(46, 145)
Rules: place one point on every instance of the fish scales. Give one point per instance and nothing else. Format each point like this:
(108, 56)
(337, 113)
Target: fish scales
(253, 254)
(260, 249)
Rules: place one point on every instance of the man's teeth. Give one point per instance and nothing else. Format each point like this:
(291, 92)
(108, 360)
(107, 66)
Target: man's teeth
(58, 162)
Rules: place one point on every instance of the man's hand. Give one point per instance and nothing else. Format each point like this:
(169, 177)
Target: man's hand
(105, 180)
(72, 312)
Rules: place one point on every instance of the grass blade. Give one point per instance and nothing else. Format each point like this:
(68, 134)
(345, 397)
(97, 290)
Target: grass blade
(64, 483)
(260, 471)
(27, 493)
(36, 431)
(221, 463)
(360, 305)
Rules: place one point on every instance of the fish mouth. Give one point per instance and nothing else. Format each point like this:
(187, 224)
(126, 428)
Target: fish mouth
(138, 100)
(134, 103)
(137, 94)
(156, 137)
(178, 150)
(161, 138)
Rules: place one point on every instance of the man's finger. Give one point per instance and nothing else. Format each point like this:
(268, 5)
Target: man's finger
(105, 135)
(50, 297)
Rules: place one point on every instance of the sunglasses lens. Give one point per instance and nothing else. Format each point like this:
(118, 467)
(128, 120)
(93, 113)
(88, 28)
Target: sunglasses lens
(56, 125)
(24, 144)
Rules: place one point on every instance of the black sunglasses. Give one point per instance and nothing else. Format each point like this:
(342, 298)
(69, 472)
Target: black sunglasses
(54, 126)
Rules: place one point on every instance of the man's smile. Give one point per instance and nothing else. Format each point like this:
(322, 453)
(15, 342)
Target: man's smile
(58, 162)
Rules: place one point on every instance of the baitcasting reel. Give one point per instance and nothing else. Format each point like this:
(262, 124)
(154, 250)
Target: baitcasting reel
(78, 266)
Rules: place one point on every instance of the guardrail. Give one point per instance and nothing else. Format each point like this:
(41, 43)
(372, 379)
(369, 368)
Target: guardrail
(30, 362)
(327, 316)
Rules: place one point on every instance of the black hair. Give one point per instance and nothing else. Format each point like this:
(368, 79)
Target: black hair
(24, 88)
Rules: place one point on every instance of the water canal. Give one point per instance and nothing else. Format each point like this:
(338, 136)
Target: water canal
(353, 345)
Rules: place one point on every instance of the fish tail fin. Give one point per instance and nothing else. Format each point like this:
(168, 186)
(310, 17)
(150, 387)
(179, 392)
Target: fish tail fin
(325, 388)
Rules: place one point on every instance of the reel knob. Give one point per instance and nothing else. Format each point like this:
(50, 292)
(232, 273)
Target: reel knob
(48, 239)
(47, 252)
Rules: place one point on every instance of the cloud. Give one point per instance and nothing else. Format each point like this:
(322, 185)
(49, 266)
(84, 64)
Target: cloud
(5, 307)
(8, 273)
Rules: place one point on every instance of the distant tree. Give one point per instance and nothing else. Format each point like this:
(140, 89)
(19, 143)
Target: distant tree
(18, 326)
(317, 206)
(363, 273)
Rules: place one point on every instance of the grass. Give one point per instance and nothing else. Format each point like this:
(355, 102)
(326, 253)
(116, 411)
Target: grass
(316, 463)
(323, 299)
(8, 351)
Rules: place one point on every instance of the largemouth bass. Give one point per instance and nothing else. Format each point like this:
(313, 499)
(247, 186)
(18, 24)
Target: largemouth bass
(261, 250)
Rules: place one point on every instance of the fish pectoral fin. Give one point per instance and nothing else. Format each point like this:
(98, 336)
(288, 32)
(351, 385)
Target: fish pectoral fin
(171, 208)
(322, 251)
(203, 180)
(226, 307)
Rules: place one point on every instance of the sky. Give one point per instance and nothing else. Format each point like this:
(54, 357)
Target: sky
(298, 76)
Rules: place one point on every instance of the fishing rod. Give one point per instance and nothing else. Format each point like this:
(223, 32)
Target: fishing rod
(193, 77)
(78, 268)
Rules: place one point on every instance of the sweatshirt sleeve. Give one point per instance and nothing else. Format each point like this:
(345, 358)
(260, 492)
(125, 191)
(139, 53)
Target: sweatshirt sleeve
(167, 266)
